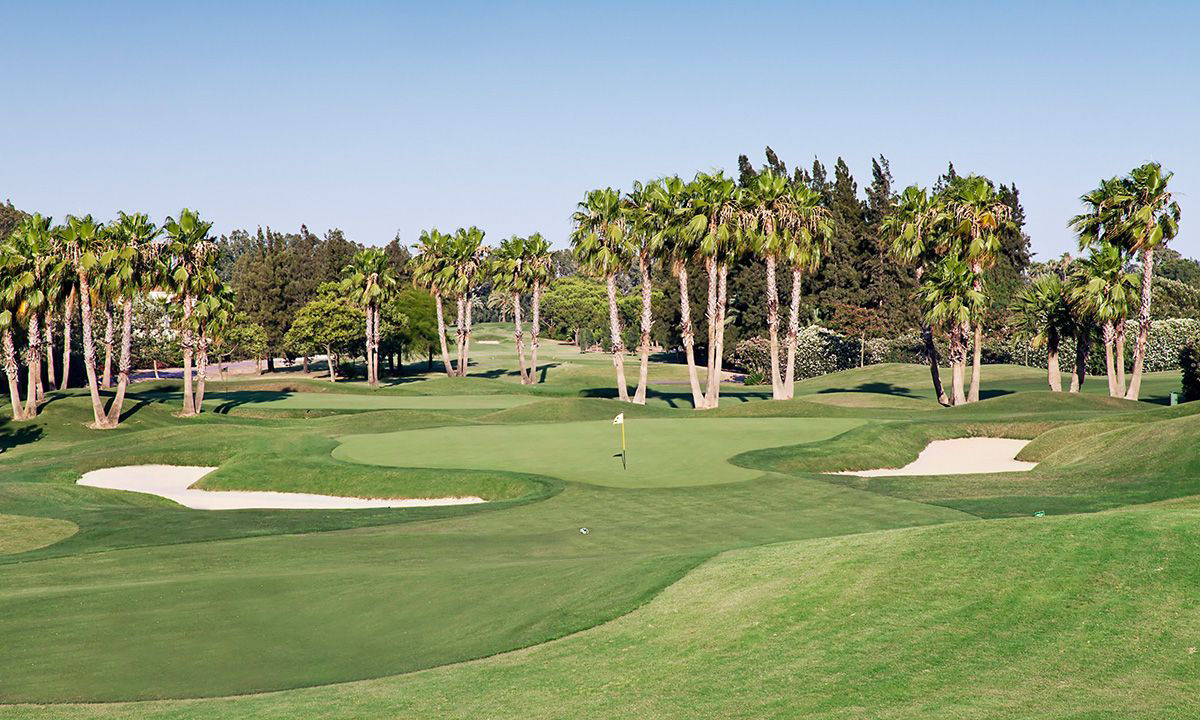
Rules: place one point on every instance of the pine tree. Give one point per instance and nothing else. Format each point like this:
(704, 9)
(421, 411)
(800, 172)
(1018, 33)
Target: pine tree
(840, 278)
(888, 285)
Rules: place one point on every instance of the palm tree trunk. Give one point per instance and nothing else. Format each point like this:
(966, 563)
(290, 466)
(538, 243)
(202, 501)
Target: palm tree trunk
(519, 334)
(188, 341)
(713, 396)
(931, 353)
(370, 346)
(1139, 350)
(789, 382)
(12, 370)
(48, 324)
(618, 347)
(1083, 343)
(1053, 374)
(441, 322)
(460, 331)
(535, 331)
(1109, 366)
(68, 318)
(958, 361)
(466, 351)
(1120, 359)
(114, 411)
(976, 359)
(201, 368)
(375, 340)
(108, 345)
(33, 362)
(931, 356)
(689, 337)
(99, 418)
(639, 395)
(773, 328)
(710, 265)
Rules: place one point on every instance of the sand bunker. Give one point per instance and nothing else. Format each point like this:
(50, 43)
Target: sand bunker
(963, 456)
(173, 482)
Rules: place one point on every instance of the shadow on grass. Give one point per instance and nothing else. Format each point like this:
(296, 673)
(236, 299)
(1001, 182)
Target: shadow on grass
(12, 434)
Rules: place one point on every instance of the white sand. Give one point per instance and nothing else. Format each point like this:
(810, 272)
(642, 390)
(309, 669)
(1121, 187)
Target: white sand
(962, 456)
(174, 483)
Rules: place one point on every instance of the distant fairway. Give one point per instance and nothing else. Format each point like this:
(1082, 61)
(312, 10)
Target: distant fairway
(662, 453)
(361, 401)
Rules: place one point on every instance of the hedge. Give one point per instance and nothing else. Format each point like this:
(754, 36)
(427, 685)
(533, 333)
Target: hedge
(820, 350)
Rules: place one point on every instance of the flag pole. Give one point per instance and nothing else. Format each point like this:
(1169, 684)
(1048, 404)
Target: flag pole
(623, 465)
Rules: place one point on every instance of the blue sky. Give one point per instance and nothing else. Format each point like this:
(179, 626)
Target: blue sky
(386, 117)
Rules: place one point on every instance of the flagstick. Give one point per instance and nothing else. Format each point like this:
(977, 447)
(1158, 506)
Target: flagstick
(623, 466)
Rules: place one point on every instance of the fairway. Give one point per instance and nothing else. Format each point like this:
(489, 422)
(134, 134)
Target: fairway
(661, 453)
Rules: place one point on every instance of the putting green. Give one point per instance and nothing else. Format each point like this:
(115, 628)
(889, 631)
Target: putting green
(363, 401)
(661, 452)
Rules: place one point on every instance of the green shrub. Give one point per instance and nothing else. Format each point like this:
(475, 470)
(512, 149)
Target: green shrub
(1189, 362)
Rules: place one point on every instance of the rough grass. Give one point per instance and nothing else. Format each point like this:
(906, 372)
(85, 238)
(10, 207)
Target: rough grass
(19, 533)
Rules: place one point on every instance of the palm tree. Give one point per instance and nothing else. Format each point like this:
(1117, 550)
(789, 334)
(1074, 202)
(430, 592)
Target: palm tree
(807, 234)
(537, 256)
(952, 303)
(37, 262)
(1099, 229)
(189, 256)
(979, 214)
(130, 261)
(467, 256)
(601, 244)
(69, 289)
(1150, 219)
(510, 276)
(213, 311)
(433, 271)
(15, 282)
(370, 279)
(1042, 317)
(647, 226)
(912, 227)
(768, 200)
(680, 246)
(57, 286)
(1107, 290)
(83, 240)
(717, 203)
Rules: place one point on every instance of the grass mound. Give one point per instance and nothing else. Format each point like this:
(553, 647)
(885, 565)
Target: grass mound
(19, 533)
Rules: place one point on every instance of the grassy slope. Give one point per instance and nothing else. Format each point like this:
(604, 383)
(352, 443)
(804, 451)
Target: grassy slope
(328, 607)
(1080, 617)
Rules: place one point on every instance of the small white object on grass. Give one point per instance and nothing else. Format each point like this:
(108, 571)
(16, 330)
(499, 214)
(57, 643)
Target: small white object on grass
(583, 531)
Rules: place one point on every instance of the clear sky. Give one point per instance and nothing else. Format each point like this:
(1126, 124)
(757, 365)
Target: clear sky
(386, 117)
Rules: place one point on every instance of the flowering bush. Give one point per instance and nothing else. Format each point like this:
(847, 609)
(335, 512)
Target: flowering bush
(819, 351)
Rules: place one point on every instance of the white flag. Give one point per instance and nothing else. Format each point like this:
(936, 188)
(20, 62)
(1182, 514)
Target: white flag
(619, 419)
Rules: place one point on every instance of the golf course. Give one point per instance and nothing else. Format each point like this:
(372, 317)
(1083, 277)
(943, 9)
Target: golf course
(725, 568)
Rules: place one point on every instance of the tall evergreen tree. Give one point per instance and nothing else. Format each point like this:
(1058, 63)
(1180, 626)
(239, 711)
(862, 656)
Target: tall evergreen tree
(839, 281)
